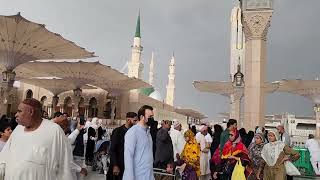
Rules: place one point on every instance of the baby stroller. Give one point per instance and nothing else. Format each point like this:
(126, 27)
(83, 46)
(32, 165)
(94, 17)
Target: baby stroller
(101, 159)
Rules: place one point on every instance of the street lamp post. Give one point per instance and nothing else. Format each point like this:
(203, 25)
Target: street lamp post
(236, 96)
(238, 80)
(256, 17)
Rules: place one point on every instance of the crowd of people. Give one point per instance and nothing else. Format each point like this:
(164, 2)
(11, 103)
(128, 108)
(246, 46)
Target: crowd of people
(63, 148)
(199, 153)
(35, 148)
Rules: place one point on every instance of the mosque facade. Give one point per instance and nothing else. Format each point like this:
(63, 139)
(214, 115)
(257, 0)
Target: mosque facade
(99, 103)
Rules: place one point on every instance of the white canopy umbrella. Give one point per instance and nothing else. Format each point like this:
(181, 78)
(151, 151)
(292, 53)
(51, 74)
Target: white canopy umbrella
(93, 73)
(22, 40)
(227, 88)
(190, 113)
(306, 88)
(56, 86)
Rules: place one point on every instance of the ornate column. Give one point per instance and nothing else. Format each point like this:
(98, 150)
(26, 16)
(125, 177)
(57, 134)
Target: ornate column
(235, 106)
(8, 77)
(123, 105)
(75, 110)
(55, 101)
(86, 109)
(113, 108)
(49, 110)
(317, 112)
(76, 100)
(114, 97)
(61, 107)
(256, 21)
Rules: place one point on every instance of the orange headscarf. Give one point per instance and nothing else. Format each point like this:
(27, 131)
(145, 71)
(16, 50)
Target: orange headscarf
(191, 152)
(233, 148)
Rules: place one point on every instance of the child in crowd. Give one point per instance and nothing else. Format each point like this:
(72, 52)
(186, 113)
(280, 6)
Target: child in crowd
(5, 132)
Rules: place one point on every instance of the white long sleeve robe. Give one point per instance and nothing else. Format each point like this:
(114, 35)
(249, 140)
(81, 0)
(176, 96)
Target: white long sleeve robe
(204, 156)
(42, 154)
(178, 142)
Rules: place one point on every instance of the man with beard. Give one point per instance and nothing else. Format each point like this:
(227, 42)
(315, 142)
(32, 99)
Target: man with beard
(138, 155)
(37, 149)
(117, 147)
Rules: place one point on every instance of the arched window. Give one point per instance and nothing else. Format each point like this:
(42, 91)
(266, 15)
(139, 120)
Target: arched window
(29, 94)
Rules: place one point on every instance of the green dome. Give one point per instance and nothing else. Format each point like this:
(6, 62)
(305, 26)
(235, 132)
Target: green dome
(146, 91)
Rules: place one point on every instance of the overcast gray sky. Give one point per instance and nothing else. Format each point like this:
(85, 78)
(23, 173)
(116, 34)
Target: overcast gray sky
(198, 31)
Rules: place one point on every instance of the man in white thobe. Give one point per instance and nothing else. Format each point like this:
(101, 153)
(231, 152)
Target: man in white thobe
(314, 149)
(204, 155)
(62, 121)
(37, 149)
(177, 138)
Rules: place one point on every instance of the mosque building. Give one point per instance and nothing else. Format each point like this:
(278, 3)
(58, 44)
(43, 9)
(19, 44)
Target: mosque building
(97, 102)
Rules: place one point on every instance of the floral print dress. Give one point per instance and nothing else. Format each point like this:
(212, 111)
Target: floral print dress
(255, 156)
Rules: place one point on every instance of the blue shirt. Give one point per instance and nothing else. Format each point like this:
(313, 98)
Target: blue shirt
(138, 154)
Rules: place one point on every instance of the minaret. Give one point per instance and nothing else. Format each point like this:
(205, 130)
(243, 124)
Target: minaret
(171, 82)
(135, 66)
(237, 42)
(151, 70)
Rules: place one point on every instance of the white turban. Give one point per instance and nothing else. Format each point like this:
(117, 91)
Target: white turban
(203, 128)
(176, 123)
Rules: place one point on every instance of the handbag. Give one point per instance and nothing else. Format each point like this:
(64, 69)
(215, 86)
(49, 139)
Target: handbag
(291, 170)
(238, 172)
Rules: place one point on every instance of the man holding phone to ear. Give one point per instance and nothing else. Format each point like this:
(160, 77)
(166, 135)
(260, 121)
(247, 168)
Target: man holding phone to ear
(138, 153)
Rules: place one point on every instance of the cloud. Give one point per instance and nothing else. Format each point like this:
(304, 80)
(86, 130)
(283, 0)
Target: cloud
(198, 32)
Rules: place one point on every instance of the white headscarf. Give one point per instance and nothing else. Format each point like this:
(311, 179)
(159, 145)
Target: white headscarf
(259, 130)
(94, 123)
(271, 151)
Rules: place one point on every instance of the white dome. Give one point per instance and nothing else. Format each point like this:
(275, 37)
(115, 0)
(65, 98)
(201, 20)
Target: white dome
(156, 95)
